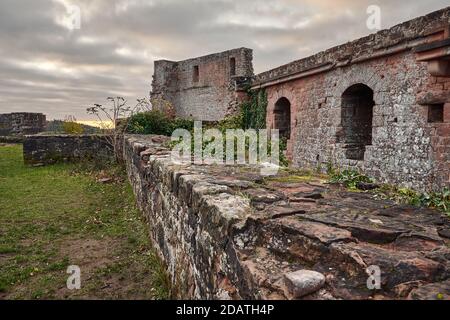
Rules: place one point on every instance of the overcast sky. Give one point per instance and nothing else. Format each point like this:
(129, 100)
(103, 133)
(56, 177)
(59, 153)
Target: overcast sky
(45, 66)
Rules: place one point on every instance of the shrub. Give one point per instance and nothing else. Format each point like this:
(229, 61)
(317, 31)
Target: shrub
(284, 162)
(156, 122)
(349, 178)
(434, 200)
(117, 113)
(70, 126)
(438, 200)
(252, 115)
(179, 123)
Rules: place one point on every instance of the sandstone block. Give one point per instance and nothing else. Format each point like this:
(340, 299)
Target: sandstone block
(303, 282)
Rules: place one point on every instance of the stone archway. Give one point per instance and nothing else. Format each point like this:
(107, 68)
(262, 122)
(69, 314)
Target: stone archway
(282, 117)
(356, 120)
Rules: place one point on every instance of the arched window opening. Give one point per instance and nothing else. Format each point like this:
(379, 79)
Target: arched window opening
(282, 117)
(357, 115)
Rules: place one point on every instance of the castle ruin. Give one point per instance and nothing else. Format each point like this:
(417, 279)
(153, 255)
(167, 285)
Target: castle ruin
(22, 123)
(380, 104)
(206, 88)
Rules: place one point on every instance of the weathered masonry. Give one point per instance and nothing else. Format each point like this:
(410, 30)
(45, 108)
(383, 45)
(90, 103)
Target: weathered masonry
(41, 150)
(22, 123)
(229, 233)
(206, 88)
(380, 103)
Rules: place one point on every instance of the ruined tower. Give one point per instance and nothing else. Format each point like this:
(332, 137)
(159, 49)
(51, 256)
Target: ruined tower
(206, 88)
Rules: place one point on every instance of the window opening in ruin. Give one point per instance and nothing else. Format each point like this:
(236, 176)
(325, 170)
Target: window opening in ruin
(436, 113)
(282, 117)
(232, 66)
(196, 75)
(357, 115)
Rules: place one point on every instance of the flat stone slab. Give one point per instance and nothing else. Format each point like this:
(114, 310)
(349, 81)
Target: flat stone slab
(433, 291)
(342, 233)
(318, 231)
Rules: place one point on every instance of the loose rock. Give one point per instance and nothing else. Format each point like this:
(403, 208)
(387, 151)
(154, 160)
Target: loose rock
(304, 282)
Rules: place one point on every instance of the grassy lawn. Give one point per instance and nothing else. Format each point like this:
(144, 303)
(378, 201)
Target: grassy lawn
(56, 216)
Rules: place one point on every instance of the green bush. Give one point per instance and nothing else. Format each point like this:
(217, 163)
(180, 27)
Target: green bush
(284, 162)
(434, 200)
(252, 115)
(152, 122)
(231, 122)
(179, 123)
(70, 127)
(156, 122)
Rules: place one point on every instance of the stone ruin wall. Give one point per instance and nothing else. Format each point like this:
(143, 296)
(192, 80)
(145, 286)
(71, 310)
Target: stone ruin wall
(403, 146)
(229, 233)
(39, 150)
(22, 123)
(406, 148)
(210, 96)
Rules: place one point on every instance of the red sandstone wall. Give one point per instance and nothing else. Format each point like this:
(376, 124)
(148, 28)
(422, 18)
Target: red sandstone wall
(405, 149)
(214, 95)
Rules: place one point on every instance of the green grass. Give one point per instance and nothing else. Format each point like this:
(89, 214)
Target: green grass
(56, 216)
(289, 175)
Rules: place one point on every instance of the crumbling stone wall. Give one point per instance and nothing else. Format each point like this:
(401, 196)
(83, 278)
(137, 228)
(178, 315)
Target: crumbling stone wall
(22, 123)
(206, 88)
(49, 149)
(400, 142)
(225, 232)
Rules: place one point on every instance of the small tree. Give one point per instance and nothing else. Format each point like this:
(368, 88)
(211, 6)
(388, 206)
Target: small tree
(114, 120)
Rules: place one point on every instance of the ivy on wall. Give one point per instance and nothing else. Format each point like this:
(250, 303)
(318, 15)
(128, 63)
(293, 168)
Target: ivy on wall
(254, 110)
(253, 116)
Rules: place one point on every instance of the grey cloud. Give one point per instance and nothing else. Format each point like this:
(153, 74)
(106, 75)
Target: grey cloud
(113, 52)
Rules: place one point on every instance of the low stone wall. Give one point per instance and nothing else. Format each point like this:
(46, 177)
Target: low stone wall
(12, 139)
(190, 221)
(49, 149)
(228, 233)
(22, 123)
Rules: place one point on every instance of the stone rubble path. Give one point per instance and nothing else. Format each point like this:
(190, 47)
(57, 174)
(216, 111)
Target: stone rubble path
(325, 228)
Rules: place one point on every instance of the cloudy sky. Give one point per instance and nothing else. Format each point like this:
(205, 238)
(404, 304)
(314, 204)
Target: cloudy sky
(47, 66)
